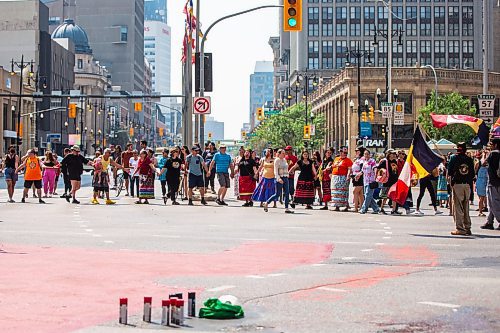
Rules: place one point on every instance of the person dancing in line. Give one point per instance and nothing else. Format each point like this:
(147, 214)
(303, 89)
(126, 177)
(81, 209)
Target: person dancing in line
(172, 168)
(267, 185)
(50, 167)
(316, 158)
(282, 185)
(325, 174)
(357, 179)
(304, 194)
(248, 172)
(341, 173)
(146, 170)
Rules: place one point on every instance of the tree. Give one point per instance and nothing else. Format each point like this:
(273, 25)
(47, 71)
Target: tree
(452, 103)
(287, 128)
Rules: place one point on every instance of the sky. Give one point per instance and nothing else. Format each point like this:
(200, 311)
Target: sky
(236, 44)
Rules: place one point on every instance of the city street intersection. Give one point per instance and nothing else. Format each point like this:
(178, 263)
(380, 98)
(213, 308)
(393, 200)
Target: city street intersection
(64, 268)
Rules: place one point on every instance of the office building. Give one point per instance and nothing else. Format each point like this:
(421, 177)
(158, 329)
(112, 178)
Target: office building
(445, 34)
(214, 130)
(155, 10)
(261, 87)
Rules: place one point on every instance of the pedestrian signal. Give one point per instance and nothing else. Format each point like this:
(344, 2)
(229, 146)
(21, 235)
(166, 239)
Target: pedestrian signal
(307, 132)
(72, 111)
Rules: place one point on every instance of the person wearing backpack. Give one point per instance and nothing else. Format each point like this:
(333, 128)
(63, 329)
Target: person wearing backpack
(387, 175)
(493, 189)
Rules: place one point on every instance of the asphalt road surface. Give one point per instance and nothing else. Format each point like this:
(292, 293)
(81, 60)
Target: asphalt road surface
(64, 268)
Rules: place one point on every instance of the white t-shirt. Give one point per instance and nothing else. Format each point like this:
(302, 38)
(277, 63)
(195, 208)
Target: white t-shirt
(133, 165)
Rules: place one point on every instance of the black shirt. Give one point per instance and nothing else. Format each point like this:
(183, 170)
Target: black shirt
(493, 164)
(173, 166)
(393, 171)
(246, 167)
(306, 171)
(74, 164)
(10, 162)
(461, 169)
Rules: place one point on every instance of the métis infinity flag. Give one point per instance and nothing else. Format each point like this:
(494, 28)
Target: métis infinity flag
(421, 161)
(477, 124)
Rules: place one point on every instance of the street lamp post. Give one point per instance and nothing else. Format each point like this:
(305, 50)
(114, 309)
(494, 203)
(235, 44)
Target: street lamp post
(358, 54)
(435, 84)
(21, 66)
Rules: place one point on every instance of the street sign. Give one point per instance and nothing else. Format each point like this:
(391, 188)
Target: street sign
(271, 112)
(399, 113)
(486, 108)
(386, 110)
(486, 102)
(365, 130)
(202, 105)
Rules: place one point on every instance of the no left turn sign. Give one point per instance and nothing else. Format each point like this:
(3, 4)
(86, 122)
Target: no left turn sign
(202, 105)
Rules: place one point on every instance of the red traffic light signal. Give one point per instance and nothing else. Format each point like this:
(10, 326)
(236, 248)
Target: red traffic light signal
(292, 15)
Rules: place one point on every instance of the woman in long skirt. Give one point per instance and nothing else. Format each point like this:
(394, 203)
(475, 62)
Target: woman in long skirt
(304, 193)
(237, 175)
(481, 183)
(341, 173)
(316, 158)
(442, 186)
(246, 170)
(146, 170)
(267, 185)
(325, 177)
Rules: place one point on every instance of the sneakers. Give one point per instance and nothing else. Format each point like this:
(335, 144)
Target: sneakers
(203, 202)
(218, 202)
(438, 212)
(395, 212)
(40, 201)
(288, 211)
(67, 198)
(190, 203)
(75, 201)
(94, 202)
(224, 203)
(418, 213)
(110, 202)
(23, 200)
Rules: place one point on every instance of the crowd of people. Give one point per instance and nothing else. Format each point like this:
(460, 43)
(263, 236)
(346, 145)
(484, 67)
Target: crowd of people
(328, 180)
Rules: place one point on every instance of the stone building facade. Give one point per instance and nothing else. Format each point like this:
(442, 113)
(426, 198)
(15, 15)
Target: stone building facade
(414, 86)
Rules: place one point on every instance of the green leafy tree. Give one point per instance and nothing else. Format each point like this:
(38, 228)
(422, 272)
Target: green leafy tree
(287, 128)
(452, 103)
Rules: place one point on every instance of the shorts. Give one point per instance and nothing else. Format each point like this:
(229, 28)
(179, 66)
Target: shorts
(126, 175)
(223, 179)
(29, 184)
(196, 181)
(10, 174)
(75, 177)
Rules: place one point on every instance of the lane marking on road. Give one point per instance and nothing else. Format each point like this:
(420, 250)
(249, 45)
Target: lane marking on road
(348, 258)
(378, 220)
(167, 236)
(221, 288)
(295, 227)
(379, 244)
(367, 229)
(276, 274)
(255, 277)
(388, 232)
(89, 230)
(213, 225)
(387, 237)
(444, 305)
(109, 242)
(254, 239)
(367, 250)
(452, 245)
(370, 217)
(96, 235)
(387, 228)
(318, 265)
(333, 289)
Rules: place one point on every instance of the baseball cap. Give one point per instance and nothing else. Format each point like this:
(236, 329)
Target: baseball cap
(75, 148)
(288, 148)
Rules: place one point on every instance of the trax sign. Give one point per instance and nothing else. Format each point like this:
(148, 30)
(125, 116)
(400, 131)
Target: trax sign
(202, 105)
(375, 143)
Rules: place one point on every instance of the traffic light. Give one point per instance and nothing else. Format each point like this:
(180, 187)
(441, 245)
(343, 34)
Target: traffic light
(137, 106)
(307, 132)
(292, 15)
(371, 114)
(72, 111)
(209, 135)
(160, 132)
(364, 117)
(260, 114)
(383, 131)
(243, 134)
(131, 131)
(207, 73)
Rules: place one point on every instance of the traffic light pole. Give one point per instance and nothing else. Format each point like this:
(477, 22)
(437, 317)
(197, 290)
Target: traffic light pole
(202, 57)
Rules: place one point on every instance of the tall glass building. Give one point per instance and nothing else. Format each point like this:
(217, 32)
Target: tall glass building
(155, 10)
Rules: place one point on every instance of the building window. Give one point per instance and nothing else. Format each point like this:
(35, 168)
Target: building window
(453, 29)
(439, 12)
(411, 29)
(313, 54)
(453, 12)
(355, 29)
(425, 29)
(327, 21)
(411, 12)
(468, 46)
(123, 33)
(341, 29)
(341, 13)
(439, 29)
(80, 63)
(369, 13)
(313, 21)
(340, 49)
(327, 54)
(467, 12)
(467, 29)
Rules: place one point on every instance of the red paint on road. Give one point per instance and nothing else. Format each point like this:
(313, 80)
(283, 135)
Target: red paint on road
(64, 289)
(409, 259)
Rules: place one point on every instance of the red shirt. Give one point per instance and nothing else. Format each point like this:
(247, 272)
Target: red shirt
(291, 160)
(144, 166)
